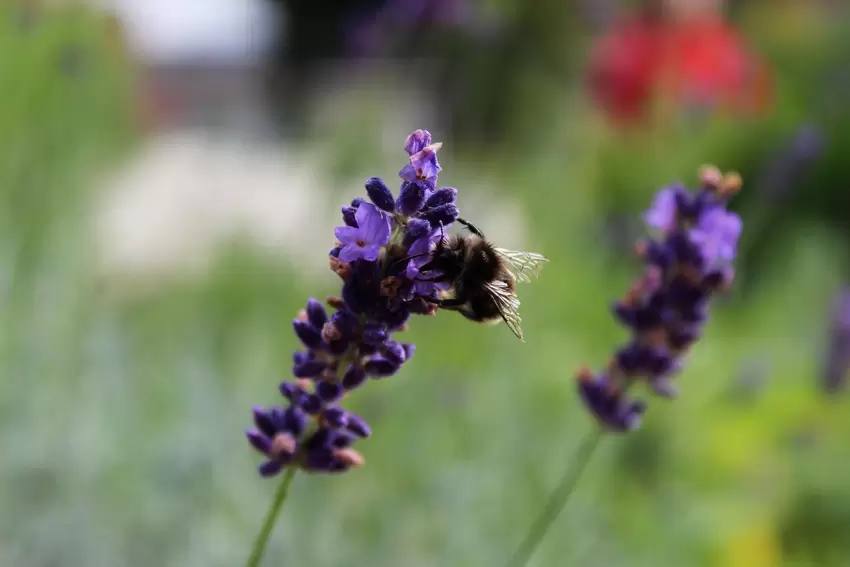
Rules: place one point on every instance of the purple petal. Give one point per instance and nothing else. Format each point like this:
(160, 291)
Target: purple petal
(350, 253)
(425, 164)
(408, 173)
(417, 141)
(374, 224)
(370, 253)
(662, 214)
(270, 468)
(348, 216)
(259, 441)
(347, 234)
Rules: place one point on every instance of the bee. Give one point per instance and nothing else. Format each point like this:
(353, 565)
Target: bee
(483, 277)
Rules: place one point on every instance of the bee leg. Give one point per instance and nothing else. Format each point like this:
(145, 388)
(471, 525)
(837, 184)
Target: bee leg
(470, 227)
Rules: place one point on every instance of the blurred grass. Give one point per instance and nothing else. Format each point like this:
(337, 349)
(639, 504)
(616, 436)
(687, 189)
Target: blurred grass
(121, 420)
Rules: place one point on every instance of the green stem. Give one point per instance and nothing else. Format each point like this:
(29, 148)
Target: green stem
(557, 500)
(271, 518)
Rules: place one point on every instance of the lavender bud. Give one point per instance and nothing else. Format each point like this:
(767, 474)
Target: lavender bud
(354, 377)
(380, 194)
(311, 403)
(393, 352)
(374, 334)
(380, 367)
(409, 349)
(444, 214)
(258, 440)
(316, 314)
(309, 335)
(411, 197)
(270, 468)
(417, 228)
(329, 391)
(264, 422)
(442, 196)
(335, 416)
(308, 369)
(294, 420)
(348, 216)
(357, 425)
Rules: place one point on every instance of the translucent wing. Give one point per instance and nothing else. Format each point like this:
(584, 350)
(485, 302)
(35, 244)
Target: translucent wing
(525, 266)
(508, 305)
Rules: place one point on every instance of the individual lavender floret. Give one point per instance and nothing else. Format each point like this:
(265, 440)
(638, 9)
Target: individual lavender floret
(666, 308)
(365, 241)
(381, 288)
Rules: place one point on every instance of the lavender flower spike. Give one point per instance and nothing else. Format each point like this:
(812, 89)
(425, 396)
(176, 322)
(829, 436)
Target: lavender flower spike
(342, 351)
(667, 306)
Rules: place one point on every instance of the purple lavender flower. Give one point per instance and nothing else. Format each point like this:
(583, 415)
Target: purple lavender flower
(365, 241)
(662, 214)
(837, 366)
(667, 307)
(423, 166)
(417, 141)
(611, 406)
(341, 351)
(717, 235)
(422, 245)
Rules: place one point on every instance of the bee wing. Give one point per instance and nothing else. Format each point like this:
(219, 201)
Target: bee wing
(508, 305)
(524, 266)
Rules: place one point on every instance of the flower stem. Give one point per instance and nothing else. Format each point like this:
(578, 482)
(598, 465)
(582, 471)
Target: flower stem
(271, 518)
(557, 500)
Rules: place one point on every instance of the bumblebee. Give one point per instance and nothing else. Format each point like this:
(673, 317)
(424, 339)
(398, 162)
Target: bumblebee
(482, 276)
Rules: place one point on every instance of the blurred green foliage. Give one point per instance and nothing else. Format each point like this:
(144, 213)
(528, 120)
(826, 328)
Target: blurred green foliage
(121, 419)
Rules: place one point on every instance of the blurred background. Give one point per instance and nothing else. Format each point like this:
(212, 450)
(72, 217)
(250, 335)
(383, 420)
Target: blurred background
(171, 173)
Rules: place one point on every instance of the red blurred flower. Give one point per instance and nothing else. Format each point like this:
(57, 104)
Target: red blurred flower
(699, 62)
